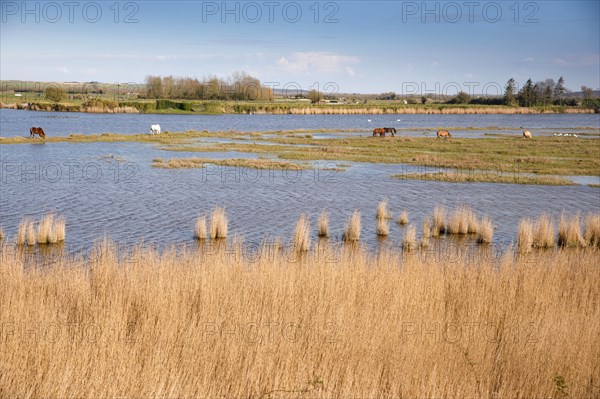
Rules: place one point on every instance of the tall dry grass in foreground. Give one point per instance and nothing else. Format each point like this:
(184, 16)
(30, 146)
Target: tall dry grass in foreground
(218, 223)
(352, 231)
(212, 324)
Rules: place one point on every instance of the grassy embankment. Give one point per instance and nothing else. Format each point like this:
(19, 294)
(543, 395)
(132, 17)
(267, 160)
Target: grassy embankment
(217, 323)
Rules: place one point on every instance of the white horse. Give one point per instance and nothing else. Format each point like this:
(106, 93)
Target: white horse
(155, 129)
(527, 134)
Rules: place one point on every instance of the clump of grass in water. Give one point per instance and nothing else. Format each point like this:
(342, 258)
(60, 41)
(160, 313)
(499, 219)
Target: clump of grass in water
(352, 232)
(592, 230)
(200, 228)
(30, 233)
(439, 221)
(410, 239)
(51, 229)
(22, 231)
(426, 232)
(543, 236)
(472, 222)
(60, 228)
(486, 231)
(383, 227)
(382, 210)
(569, 231)
(403, 218)
(301, 238)
(525, 235)
(44, 231)
(1, 233)
(218, 223)
(462, 221)
(323, 225)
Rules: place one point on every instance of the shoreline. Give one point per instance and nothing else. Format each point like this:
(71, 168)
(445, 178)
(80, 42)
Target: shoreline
(275, 108)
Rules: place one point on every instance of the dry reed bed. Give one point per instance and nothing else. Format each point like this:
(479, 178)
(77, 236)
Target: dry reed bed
(211, 324)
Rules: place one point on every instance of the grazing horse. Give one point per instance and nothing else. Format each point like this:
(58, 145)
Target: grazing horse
(444, 133)
(37, 130)
(379, 131)
(391, 130)
(527, 134)
(155, 129)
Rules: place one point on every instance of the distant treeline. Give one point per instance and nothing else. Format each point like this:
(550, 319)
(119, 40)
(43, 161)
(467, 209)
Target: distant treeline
(539, 94)
(239, 86)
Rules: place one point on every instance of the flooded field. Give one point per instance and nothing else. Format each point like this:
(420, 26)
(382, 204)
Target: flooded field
(110, 189)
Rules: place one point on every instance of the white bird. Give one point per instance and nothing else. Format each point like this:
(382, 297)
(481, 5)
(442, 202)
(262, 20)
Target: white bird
(574, 135)
(398, 120)
(368, 120)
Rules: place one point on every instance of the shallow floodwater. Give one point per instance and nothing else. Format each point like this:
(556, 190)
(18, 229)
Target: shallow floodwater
(17, 123)
(110, 189)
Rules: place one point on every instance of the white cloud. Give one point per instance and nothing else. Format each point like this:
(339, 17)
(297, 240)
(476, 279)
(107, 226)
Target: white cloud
(317, 61)
(560, 61)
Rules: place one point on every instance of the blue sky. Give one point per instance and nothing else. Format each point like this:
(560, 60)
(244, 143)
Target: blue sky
(358, 46)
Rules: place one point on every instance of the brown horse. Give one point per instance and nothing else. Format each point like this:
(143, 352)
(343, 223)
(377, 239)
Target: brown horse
(379, 131)
(391, 130)
(444, 133)
(37, 130)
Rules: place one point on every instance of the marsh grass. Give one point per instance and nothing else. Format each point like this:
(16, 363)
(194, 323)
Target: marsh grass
(301, 237)
(200, 228)
(1, 233)
(217, 324)
(426, 232)
(409, 241)
(592, 229)
(30, 234)
(525, 235)
(323, 225)
(45, 234)
(457, 221)
(489, 177)
(186, 163)
(569, 231)
(485, 234)
(403, 218)
(543, 233)
(352, 231)
(439, 221)
(382, 210)
(218, 223)
(383, 227)
(22, 231)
